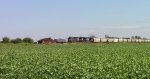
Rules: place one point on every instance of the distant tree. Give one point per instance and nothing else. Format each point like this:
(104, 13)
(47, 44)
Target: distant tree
(17, 40)
(5, 40)
(28, 40)
(35, 43)
(106, 36)
(133, 37)
(144, 38)
(92, 36)
(13, 41)
(136, 37)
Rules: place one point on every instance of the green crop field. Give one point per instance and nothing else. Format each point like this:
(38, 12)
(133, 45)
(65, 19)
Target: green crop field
(75, 61)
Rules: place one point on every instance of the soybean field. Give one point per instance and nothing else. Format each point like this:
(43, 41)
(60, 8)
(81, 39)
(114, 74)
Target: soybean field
(75, 61)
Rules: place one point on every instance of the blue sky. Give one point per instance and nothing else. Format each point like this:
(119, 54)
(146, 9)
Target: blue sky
(63, 18)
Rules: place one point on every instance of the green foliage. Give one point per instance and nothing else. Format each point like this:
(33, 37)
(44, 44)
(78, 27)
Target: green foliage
(5, 40)
(28, 40)
(17, 40)
(136, 37)
(75, 61)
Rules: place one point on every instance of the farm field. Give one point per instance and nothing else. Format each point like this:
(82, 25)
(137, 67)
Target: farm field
(75, 61)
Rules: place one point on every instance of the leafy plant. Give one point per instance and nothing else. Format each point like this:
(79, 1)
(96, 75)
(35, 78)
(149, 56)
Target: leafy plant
(75, 61)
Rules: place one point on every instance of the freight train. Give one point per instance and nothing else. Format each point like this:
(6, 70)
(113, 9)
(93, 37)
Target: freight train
(106, 40)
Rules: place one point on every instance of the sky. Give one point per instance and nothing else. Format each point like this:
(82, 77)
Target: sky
(63, 18)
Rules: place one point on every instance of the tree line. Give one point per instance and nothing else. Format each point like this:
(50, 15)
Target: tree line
(17, 40)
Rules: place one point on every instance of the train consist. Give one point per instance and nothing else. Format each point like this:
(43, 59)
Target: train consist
(92, 40)
(106, 40)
